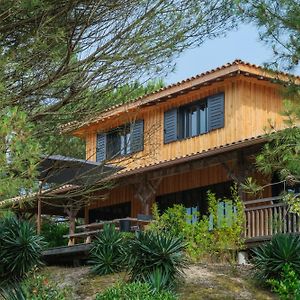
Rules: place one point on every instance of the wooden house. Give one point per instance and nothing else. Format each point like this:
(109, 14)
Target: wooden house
(190, 137)
(175, 144)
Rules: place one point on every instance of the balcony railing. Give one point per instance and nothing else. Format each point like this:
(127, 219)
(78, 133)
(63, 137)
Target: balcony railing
(268, 216)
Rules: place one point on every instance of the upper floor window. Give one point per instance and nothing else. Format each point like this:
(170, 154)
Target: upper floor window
(194, 119)
(120, 141)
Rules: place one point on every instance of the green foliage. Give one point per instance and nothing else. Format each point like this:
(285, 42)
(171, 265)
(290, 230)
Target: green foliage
(270, 258)
(13, 292)
(158, 280)
(173, 221)
(20, 249)
(292, 200)
(39, 287)
(134, 291)
(211, 237)
(53, 232)
(151, 251)
(277, 22)
(70, 66)
(108, 253)
(288, 286)
(19, 153)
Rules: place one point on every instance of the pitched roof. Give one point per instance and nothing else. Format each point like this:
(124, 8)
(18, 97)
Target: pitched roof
(234, 68)
(255, 140)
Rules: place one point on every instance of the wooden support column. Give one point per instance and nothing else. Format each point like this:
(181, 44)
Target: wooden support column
(39, 216)
(240, 170)
(86, 215)
(72, 213)
(145, 191)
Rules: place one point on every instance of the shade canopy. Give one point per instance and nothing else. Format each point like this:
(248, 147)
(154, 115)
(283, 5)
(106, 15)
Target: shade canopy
(68, 170)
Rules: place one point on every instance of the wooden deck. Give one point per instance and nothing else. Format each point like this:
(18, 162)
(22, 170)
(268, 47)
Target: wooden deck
(269, 216)
(263, 219)
(67, 255)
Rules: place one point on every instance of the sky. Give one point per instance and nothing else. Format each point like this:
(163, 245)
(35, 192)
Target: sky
(241, 44)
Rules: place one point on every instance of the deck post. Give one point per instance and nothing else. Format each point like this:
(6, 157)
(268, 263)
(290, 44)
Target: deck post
(72, 213)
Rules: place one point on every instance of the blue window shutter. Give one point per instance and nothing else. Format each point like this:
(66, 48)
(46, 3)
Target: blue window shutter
(137, 136)
(215, 105)
(101, 147)
(229, 213)
(170, 126)
(220, 214)
(194, 214)
(211, 222)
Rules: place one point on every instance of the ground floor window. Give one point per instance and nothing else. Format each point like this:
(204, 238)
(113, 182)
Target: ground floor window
(111, 212)
(194, 199)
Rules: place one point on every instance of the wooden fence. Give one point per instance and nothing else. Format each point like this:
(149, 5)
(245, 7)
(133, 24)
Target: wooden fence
(268, 216)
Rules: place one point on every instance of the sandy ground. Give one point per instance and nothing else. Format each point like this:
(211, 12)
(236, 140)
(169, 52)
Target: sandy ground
(201, 282)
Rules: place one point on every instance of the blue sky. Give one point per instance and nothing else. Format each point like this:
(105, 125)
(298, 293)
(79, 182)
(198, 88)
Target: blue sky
(243, 44)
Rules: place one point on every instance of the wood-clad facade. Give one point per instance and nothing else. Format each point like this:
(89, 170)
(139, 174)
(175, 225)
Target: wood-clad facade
(184, 169)
(249, 104)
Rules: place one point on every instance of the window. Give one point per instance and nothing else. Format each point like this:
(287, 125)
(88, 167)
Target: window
(194, 119)
(120, 141)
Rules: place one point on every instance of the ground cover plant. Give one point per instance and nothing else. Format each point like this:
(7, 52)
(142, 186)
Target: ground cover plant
(134, 291)
(288, 285)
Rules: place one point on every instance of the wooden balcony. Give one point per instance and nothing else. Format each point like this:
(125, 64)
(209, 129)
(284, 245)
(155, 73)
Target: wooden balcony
(266, 217)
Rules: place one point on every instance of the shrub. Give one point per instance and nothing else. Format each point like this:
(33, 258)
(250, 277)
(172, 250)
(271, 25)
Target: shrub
(53, 233)
(150, 251)
(20, 248)
(270, 258)
(134, 291)
(108, 254)
(174, 221)
(288, 286)
(215, 237)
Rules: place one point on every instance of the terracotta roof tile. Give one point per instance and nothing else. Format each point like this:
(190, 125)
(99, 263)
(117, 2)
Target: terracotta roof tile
(192, 156)
(263, 73)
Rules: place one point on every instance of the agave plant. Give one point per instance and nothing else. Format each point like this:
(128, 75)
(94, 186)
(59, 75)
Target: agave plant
(108, 254)
(152, 251)
(158, 280)
(13, 292)
(270, 258)
(20, 248)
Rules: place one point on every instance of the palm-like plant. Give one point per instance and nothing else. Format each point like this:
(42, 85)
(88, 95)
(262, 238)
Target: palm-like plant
(20, 248)
(151, 251)
(270, 258)
(108, 254)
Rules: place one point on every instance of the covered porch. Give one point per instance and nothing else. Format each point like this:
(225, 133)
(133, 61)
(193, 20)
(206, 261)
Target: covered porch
(129, 196)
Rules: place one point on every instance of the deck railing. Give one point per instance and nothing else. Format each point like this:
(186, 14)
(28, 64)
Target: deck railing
(268, 216)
